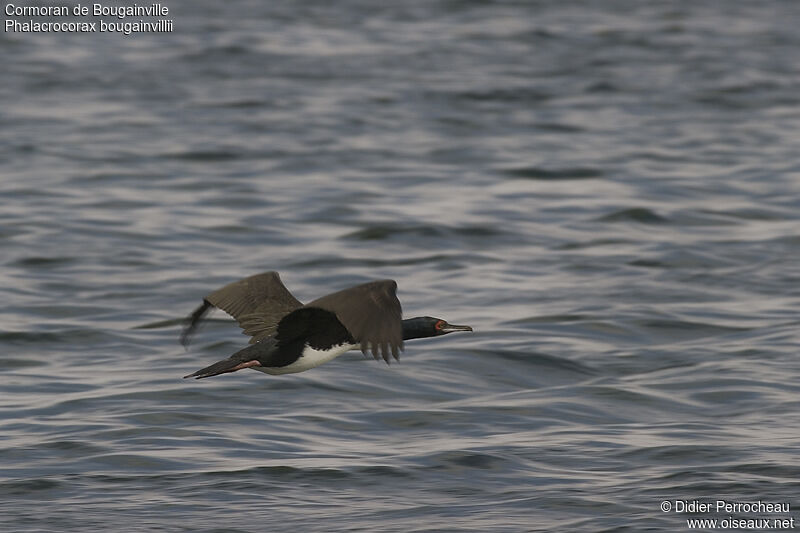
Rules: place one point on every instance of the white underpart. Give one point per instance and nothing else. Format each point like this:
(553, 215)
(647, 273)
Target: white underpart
(311, 357)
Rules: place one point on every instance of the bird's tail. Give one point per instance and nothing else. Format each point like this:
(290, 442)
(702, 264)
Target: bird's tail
(245, 358)
(223, 367)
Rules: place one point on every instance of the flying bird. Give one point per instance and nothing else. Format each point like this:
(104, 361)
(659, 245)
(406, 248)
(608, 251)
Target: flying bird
(288, 337)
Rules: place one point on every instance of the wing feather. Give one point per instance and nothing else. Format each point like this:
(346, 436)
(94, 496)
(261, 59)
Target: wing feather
(371, 313)
(257, 303)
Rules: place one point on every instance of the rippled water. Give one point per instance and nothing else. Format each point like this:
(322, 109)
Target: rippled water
(608, 192)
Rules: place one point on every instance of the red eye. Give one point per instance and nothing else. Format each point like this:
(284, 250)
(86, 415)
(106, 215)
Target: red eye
(439, 325)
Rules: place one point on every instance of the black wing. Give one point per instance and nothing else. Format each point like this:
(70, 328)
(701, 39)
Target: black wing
(371, 313)
(257, 303)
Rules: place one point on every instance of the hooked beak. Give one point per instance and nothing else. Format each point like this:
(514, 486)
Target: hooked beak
(450, 328)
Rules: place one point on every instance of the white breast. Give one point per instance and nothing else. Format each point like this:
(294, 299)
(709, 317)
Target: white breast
(311, 357)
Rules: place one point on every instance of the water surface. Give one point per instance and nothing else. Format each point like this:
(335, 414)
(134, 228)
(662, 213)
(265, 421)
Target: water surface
(608, 194)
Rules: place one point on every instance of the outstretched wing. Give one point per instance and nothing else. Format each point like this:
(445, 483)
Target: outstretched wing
(371, 313)
(257, 303)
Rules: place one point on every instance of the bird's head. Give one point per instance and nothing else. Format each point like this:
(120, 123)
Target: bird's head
(428, 326)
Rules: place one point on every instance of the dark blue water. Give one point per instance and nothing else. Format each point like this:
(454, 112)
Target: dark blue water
(609, 193)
